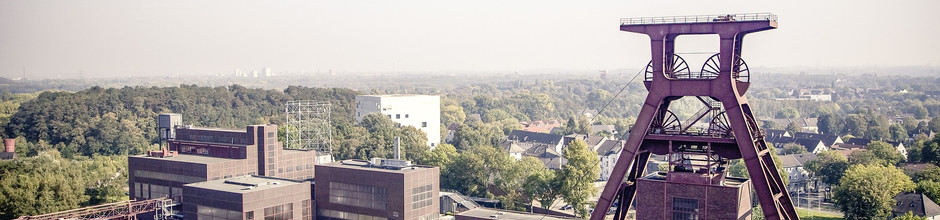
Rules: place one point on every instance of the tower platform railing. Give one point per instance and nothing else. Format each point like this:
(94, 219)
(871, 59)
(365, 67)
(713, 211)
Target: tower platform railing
(699, 19)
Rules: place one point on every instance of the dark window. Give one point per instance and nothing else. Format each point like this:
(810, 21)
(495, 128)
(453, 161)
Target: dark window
(397, 116)
(406, 115)
(684, 209)
(424, 124)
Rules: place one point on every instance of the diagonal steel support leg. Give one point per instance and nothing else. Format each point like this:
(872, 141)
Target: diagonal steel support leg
(771, 192)
(630, 160)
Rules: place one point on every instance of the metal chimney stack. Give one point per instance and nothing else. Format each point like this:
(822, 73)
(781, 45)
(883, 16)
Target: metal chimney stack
(397, 148)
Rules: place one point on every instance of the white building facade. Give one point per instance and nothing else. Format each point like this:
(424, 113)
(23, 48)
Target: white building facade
(419, 111)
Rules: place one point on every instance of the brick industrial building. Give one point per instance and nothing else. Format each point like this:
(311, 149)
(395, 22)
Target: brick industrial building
(247, 174)
(379, 189)
(248, 197)
(204, 154)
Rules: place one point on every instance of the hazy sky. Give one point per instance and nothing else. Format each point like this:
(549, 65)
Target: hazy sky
(137, 38)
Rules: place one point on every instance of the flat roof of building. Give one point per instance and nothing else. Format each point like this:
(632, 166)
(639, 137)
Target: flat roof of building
(486, 213)
(189, 158)
(367, 166)
(245, 184)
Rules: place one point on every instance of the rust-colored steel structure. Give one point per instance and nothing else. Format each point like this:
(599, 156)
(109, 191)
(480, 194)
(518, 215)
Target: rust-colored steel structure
(119, 210)
(732, 132)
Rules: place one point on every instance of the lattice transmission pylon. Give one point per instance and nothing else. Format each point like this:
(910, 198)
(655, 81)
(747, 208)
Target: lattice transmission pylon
(309, 126)
(732, 133)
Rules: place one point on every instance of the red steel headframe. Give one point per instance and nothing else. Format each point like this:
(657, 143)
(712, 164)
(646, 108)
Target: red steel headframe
(725, 87)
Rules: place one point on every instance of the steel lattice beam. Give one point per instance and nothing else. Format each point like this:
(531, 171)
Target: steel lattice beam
(117, 210)
(309, 126)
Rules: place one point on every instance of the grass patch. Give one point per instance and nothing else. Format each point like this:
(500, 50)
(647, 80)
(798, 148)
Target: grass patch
(813, 214)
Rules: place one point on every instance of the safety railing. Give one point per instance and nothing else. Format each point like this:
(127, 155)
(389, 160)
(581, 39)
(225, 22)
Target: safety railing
(700, 19)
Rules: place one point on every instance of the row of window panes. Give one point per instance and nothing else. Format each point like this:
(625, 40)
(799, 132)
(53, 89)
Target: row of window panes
(168, 176)
(281, 216)
(357, 187)
(421, 189)
(194, 149)
(358, 195)
(217, 139)
(206, 212)
(346, 215)
(279, 212)
(422, 204)
(422, 196)
(365, 203)
(278, 209)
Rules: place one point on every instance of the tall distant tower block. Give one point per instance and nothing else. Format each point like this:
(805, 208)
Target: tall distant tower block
(695, 186)
(309, 127)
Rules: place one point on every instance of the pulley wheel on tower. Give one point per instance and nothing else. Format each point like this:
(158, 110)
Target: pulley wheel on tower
(712, 67)
(678, 70)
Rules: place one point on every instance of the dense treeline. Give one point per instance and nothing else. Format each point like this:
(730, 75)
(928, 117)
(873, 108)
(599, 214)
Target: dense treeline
(49, 183)
(100, 121)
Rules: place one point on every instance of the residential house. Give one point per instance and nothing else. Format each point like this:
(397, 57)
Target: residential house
(916, 203)
(608, 152)
(546, 147)
(553, 140)
(540, 126)
(800, 179)
(776, 133)
(812, 145)
(551, 158)
(828, 140)
(863, 143)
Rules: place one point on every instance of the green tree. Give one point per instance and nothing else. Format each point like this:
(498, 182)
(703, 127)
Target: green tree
(788, 112)
(793, 148)
(737, 168)
(829, 124)
(934, 124)
(793, 127)
(578, 176)
(867, 191)
(442, 156)
(544, 186)
(898, 133)
(929, 188)
(909, 216)
(512, 180)
(930, 150)
(43, 184)
(452, 113)
(829, 166)
(414, 143)
(930, 174)
(382, 132)
(856, 125)
(466, 174)
(877, 152)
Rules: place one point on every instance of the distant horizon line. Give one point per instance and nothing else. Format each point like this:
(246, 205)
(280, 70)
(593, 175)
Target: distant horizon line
(534, 71)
